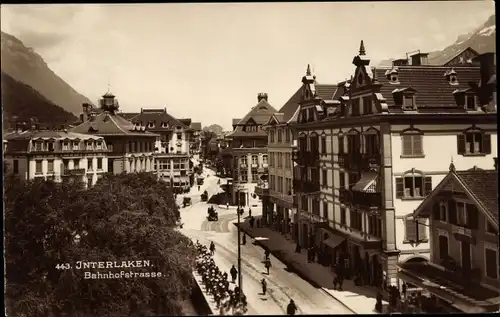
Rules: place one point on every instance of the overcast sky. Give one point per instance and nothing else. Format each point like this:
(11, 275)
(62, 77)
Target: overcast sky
(209, 61)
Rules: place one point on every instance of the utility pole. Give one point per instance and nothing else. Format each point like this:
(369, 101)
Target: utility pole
(239, 248)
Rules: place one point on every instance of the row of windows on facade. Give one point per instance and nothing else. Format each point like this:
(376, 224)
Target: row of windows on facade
(166, 165)
(255, 160)
(280, 184)
(165, 137)
(251, 128)
(276, 160)
(460, 214)
(243, 176)
(472, 141)
(138, 146)
(65, 145)
(373, 223)
(64, 165)
(163, 124)
(287, 133)
(249, 143)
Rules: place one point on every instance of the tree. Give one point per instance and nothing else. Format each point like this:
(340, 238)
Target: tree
(207, 136)
(123, 217)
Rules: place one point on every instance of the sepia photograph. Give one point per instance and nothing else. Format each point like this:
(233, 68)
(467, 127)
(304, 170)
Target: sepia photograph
(267, 158)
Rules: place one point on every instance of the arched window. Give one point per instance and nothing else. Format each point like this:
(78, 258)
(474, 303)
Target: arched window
(413, 184)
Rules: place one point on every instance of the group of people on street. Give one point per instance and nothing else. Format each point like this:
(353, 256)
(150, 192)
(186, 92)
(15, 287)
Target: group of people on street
(225, 295)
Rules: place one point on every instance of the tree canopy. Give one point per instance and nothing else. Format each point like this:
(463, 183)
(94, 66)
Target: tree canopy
(122, 218)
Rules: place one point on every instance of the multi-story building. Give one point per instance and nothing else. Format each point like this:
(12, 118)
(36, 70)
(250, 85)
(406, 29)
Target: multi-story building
(172, 148)
(463, 272)
(368, 159)
(193, 135)
(281, 139)
(56, 155)
(130, 146)
(249, 148)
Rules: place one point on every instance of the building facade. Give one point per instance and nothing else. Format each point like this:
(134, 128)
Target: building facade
(172, 147)
(462, 274)
(56, 155)
(368, 159)
(278, 207)
(248, 150)
(131, 147)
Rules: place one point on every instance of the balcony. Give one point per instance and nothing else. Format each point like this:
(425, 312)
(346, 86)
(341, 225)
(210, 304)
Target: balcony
(311, 187)
(367, 200)
(262, 189)
(370, 161)
(350, 161)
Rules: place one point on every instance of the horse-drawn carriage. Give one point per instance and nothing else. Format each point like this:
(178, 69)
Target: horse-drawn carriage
(212, 214)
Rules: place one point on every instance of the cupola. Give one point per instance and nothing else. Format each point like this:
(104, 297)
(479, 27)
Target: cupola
(451, 77)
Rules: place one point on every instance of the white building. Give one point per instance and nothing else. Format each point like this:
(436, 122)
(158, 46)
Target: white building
(368, 158)
(55, 155)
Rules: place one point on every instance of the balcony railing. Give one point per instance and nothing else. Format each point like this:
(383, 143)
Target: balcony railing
(369, 161)
(368, 200)
(350, 161)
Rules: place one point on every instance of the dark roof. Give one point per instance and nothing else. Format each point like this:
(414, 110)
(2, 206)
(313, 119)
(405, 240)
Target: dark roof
(196, 126)
(128, 115)
(108, 123)
(260, 114)
(186, 121)
(443, 59)
(49, 134)
(235, 121)
(324, 92)
(429, 82)
(157, 117)
(484, 185)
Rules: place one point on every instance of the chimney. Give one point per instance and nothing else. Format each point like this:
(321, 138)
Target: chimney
(261, 96)
(419, 59)
(85, 115)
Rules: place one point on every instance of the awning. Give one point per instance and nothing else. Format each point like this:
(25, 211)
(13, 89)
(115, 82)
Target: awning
(333, 241)
(367, 183)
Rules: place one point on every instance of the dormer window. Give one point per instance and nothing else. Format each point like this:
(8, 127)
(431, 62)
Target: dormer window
(76, 145)
(65, 145)
(89, 145)
(99, 145)
(392, 76)
(178, 127)
(151, 125)
(470, 102)
(451, 77)
(50, 146)
(164, 125)
(409, 102)
(38, 146)
(405, 97)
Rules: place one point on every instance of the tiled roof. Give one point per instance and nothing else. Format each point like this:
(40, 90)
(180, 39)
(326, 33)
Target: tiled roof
(196, 126)
(185, 121)
(157, 116)
(484, 185)
(50, 134)
(260, 113)
(107, 123)
(325, 92)
(128, 115)
(432, 88)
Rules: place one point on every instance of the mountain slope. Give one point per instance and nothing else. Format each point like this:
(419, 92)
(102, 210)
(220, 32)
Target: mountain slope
(21, 102)
(481, 40)
(26, 66)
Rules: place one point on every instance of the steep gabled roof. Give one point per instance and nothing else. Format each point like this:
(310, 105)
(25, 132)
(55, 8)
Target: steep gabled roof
(480, 185)
(196, 126)
(259, 113)
(443, 60)
(432, 88)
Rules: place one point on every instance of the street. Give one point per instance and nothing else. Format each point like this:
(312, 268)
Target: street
(282, 284)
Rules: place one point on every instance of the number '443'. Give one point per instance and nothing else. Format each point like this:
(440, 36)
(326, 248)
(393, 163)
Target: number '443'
(63, 266)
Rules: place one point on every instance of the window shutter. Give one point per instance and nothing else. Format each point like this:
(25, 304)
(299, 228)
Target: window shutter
(417, 144)
(399, 187)
(341, 145)
(472, 216)
(452, 212)
(486, 144)
(407, 145)
(428, 185)
(410, 229)
(422, 229)
(436, 212)
(461, 144)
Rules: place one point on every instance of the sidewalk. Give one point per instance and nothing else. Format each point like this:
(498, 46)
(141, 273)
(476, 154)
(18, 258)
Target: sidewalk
(360, 300)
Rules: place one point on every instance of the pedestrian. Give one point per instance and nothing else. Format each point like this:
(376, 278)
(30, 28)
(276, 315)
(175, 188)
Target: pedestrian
(308, 255)
(335, 281)
(291, 308)
(212, 248)
(404, 290)
(198, 187)
(297, 248)
(227, 205)
(244, 239)
(266, 255)
(341, 281)
(250, 213)
(258, 223)
(264, 286)
(268, 265)
(252, 220)
(234, 273)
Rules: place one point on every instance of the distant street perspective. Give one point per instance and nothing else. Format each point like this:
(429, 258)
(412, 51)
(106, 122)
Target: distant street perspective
(286, 158)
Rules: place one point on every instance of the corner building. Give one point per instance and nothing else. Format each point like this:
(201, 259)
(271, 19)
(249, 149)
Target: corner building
(368, 158)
